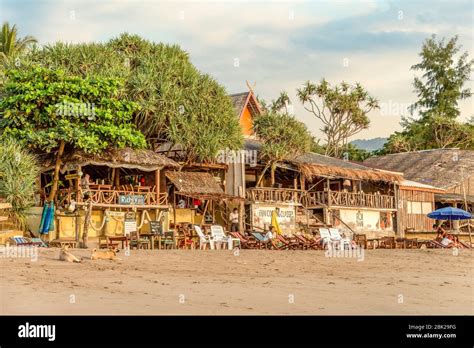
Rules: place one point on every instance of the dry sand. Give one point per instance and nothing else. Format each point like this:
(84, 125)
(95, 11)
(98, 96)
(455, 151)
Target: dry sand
(255, 282)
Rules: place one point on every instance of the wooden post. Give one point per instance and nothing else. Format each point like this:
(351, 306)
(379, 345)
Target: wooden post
(157, 185)
(399, 231)
(328, 182)
(76, 188)
(57, 166)
(174, 217)
(87, 221)
(117, 177)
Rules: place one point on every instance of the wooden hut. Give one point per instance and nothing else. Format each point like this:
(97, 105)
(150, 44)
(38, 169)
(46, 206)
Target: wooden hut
(416, 201)
(451, 170)
(122, 184)
(326, 191)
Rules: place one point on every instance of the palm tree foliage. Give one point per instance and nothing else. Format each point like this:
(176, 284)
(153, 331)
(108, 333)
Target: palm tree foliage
(177, 103)
(18, 174)
(11, 44)
(282, 137)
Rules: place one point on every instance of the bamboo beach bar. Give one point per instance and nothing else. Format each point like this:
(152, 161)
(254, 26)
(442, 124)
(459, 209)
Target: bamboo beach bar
(325, 191)
(104, 195)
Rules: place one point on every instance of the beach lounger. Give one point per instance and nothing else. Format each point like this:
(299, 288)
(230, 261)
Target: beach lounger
(21, 241)
(310, 243)
(288, 242)
(248, 243)
(39, 242)
(262, 242)
(465, 244)
(204, 240)
(219, 236)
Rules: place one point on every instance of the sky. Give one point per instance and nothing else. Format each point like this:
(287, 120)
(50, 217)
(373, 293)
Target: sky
(274, 45)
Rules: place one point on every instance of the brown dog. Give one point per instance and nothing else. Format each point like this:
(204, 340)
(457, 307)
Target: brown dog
(109, 254)
(65, 255)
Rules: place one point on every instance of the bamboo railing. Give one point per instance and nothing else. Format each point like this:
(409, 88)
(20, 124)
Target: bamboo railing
(117, 197)
(321, 198)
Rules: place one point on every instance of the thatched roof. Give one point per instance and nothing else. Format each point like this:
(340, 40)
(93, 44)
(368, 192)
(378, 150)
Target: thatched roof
(313, 165)
(145, 160)
(196, 184)
(438, 167)
(240, 100)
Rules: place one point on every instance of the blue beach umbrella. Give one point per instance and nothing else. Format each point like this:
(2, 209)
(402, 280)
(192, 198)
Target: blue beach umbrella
(450, 213)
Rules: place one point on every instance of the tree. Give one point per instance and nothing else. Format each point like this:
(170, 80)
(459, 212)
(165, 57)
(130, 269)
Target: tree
(353, 153)
(439, 91)
(282, 137)
(48, 110)
(177, 103)
(342, 110)
(18, 174)
(11, 44)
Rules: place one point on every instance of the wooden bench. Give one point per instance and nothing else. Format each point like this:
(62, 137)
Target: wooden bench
(62, 242)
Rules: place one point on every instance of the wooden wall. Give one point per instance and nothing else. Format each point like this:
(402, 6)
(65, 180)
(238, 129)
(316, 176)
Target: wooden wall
(246, 122)
(417, 222)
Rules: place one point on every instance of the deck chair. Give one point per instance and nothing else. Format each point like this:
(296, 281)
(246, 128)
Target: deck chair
(262, 242)
(247, 243)
(204, 240)
(218, 235)
(38, 242)
(20, 241)
(287, 243)
(337, 238)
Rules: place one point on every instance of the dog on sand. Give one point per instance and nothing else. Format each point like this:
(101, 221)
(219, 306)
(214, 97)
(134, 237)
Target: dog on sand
(65, 255)
(109, 254)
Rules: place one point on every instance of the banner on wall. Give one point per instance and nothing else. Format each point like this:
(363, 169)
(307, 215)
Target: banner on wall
(262, 217)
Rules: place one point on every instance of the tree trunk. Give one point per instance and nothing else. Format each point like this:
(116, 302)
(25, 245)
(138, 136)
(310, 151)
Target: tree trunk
(262, 175)
(54, 187)
(272, 174)
(87, 221)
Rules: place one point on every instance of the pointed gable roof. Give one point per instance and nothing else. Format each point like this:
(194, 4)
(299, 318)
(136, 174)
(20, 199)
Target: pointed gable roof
(245, 99)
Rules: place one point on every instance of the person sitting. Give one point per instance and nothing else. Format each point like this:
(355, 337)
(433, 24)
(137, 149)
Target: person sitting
(84, 186)
(447, 241)
(269, 235)
(440, 232)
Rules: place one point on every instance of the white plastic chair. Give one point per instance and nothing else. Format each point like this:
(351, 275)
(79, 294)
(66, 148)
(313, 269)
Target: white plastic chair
(336, 237)
(326, 237)
(219, 236)
(203, 239)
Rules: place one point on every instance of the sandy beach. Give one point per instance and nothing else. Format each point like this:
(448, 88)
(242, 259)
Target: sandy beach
(186, 282)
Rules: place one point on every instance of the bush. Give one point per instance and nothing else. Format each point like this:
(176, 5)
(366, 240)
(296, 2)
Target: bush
(18, 174)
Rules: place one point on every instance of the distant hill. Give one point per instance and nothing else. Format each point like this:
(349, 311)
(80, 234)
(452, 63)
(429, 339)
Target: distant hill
(369, 144)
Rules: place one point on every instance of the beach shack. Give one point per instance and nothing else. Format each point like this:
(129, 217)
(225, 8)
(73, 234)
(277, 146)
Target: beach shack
(109, 194)
(449, 171)
(323, 191)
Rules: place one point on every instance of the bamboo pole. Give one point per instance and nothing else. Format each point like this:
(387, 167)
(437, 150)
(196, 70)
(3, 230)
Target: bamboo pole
(57, 166)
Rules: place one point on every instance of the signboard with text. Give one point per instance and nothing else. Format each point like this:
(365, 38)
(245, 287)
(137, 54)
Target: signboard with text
(131, 199)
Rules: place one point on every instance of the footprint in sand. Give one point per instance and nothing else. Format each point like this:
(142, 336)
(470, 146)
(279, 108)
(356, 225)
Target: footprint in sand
(332, 283)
